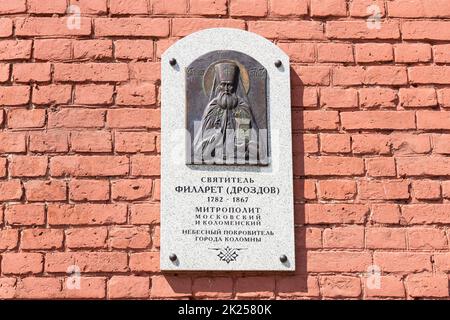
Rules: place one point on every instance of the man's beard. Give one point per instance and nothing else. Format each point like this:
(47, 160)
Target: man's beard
(227, 100)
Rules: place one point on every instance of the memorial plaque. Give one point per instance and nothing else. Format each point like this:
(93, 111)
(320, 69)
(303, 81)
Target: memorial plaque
(226, 165)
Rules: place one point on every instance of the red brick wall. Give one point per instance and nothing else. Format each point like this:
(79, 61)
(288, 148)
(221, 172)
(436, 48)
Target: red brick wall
(79, 146)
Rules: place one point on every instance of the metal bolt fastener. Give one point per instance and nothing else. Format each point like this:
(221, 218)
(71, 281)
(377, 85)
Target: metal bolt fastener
(283, 258)
(173, 257)
(278, 63)
(173, 62)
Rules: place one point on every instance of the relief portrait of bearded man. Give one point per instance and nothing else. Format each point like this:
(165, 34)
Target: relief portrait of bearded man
(228, 132)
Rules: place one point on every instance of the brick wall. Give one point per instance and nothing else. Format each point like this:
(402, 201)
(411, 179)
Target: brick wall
(80, 144)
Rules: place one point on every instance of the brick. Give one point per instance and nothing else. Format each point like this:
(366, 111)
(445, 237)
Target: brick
(26, 118)
(305, 143)
(208, 7)
(337, 189)
(47, 6)
(336, 213)
(428, 285)
(333, 166)
(367, 8)
(145, 71)
(53, 49)
(7, 288)
(418, 97)
(384, 120)
(297, 286)
(342, 261)
(8, 239)
(81, 214)
(12, 142)
(427, 239)
(310, 76)
(28, 166)
(88, 262)
(381, 167)
(125, 7)
(146, 213)
(144, 262)
(335, 52)
(441, 54)
(442, 261)
(255, 287)
(412, 52)
(213, 288)
(134, 118)
(49, 190)
(10, 190)
(13, 6)
(131, 142)
(171, 287)
(97, 7)
(334, 98)
(91, 141)
(145, 165)
(304, 189)
(31, 72)
(49, 141)
(444, 97)
(288, 8)
(156, 237)
(373, 52)
(184, 26)
(172, 7)
(384, 190)
(15, 49)
(33, 239)
(14, 95)
(252, 8)
(126, 287)
(131, 189)
(446, 189)
(6, 27)
(52, 94)
(132, 27)
(133, 49)
(340, 286)
(419, 9)
(426, 213)
(78, 238)
(385, 213)
(359, 30)
(39, 288)
(348, 76)
(90, 287)
(25, 214)
(389, 287)
(335, 143)
(344, 237)
(426, 189)
(426, 30)
(98, 72)
(441, 143)
(76, 118)
(433, 120)
(4, 72)
(308, 238)
(402, 262)
(163, 44)
(325, 8)
(92, 49)
(22, 263)
(136, 94)
(307, 30)
(370, 144)
(299, 52)
(385, 238)
(89, 166)
(410, 144)
(3, 167)
(429, 74)
(315, 120)
(129, 237)
(386, 75)
(89, 190)
(46, 26)
(94, 94)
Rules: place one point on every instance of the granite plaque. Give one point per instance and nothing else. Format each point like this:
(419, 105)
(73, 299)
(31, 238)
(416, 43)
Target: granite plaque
(226, 167)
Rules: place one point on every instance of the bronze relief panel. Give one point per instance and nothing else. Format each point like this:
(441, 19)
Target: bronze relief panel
(226, 116)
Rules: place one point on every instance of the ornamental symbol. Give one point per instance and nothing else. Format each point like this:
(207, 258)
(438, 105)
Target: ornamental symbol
(228, 254)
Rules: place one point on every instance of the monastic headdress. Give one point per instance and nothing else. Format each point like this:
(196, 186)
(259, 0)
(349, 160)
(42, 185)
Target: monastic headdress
(226, 71)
